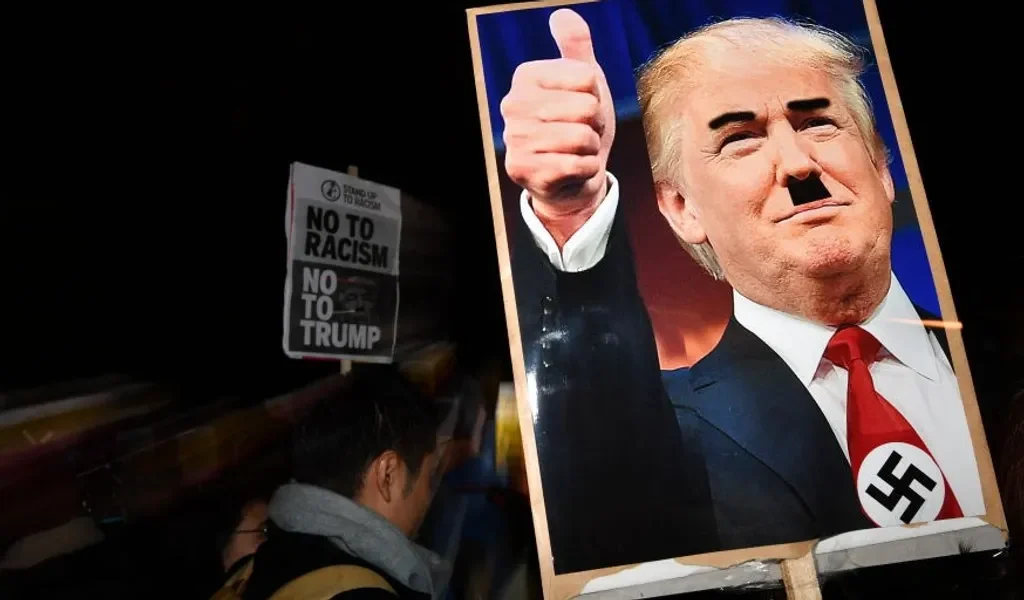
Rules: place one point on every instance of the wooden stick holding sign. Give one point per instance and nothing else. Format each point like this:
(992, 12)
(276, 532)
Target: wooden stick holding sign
(800, 576)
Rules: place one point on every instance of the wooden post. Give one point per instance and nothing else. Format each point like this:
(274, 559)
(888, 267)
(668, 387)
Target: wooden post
(346, 364)
(800, 575)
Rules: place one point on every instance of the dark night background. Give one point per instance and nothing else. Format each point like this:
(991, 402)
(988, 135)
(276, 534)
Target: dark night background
(146, 164)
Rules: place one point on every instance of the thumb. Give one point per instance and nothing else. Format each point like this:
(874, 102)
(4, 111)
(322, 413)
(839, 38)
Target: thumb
(572, 36)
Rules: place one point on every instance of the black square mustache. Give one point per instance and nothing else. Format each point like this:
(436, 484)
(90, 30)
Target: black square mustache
(807, 190)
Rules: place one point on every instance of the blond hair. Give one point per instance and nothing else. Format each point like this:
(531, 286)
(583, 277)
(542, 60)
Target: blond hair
(671, 73)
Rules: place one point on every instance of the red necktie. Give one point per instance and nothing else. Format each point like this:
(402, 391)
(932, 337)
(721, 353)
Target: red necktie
(897, 478)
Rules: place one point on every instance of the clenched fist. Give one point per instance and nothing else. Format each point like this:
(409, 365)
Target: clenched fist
(559, 127)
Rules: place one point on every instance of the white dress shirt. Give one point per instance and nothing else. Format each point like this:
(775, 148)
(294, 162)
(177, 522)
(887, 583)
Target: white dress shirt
(912, 372)
(586, 247)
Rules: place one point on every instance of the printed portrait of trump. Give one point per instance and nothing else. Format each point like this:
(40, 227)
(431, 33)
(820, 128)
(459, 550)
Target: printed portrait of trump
(828, 405)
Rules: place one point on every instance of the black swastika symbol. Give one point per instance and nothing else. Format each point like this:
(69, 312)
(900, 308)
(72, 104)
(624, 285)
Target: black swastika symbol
(901, 487)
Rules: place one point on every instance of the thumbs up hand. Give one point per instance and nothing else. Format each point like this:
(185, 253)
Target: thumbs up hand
(559, 128)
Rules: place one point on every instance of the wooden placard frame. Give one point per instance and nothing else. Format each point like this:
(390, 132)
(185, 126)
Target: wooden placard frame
(798, 565)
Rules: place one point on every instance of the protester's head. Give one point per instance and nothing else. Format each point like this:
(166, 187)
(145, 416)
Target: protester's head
(740, 114)
(375, 443)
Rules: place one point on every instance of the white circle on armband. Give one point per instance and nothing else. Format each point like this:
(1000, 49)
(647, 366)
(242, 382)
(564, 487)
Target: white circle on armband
(898, 484)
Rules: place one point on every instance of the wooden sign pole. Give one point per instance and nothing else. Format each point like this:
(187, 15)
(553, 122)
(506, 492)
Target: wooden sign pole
(800, 576)
(346, 364)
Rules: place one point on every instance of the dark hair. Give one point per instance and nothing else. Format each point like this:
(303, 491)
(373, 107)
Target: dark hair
(375, 411)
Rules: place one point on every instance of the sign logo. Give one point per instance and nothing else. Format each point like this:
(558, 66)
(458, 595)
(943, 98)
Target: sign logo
(898, 484)
(330, 189)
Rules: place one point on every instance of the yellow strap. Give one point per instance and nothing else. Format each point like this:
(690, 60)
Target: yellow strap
(324, 584)
(235, 585)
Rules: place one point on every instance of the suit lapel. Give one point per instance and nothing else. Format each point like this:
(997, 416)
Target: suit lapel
(746, 391)
(940, 332)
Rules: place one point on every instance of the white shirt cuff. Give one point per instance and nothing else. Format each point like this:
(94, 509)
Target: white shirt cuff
(586, 247)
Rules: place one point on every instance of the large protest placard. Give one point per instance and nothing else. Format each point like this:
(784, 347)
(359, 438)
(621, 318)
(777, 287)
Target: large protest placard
(341, 290)
(733, 338)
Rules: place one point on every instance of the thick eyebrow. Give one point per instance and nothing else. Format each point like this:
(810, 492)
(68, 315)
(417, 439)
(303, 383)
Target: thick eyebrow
(808, 104)
(731, 117)
(742, 116)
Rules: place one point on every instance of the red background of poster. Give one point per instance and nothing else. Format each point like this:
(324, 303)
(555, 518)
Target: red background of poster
(688, 308)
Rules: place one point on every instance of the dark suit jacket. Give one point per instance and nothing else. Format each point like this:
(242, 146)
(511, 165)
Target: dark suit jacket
(620, 485)
(777, 472)
(773, 469)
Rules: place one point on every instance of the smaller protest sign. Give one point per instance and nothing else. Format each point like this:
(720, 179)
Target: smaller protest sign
(341, 289)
